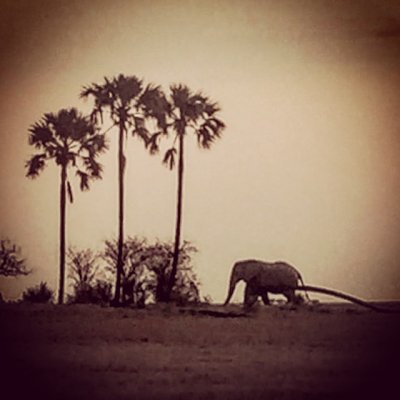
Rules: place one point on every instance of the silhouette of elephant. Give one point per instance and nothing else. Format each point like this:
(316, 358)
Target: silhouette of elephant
(265, 277)
(281, 278)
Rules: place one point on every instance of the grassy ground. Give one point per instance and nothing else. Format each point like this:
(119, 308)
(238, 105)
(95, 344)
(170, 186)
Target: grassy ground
(89, 352)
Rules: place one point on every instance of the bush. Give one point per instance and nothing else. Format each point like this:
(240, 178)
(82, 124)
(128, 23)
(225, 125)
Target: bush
(99, 293)
(147, 268)
(38, 294)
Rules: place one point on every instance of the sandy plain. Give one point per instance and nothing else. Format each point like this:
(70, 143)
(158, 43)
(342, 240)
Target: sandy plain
(330, 351)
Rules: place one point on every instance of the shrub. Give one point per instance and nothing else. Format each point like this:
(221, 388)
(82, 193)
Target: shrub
(38, 294)
(147, 268)
(99, 293)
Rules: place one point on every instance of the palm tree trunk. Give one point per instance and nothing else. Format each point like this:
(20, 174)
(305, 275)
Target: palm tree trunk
(121, 169)
(178, 218)
(62, 233)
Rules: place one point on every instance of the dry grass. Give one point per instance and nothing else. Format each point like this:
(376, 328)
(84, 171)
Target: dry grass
(163, 353)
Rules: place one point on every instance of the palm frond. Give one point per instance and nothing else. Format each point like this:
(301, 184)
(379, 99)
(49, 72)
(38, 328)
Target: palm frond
(93, 168)
(204, 139)
(216, 125)
(209, 131)
(81, 128)
(198, 106)
(94, 145)
(169, 158)
(35, 165)
(152, 143)
(96, 114)
(52, 149)
(84, 177)
(180, 95)
(127, 88)
(90, 90)
(40, 135)
(140, 130)
(154, 104)
(63, 122)
(102, 95)
(211, 108)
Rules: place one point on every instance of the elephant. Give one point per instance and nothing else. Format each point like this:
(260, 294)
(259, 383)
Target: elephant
(263, 277)
(280, 277)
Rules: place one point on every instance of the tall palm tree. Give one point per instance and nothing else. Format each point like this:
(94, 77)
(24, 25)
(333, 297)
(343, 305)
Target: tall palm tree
(188, 113)
(128, 105)
(72, 142)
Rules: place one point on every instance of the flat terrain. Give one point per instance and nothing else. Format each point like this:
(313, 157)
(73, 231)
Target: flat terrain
(89, 352)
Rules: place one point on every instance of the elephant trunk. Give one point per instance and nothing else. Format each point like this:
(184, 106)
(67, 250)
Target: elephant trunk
(232, 285)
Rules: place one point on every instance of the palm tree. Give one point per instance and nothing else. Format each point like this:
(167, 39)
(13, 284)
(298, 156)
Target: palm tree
(187, 113)
(72, 142)
(128, 105)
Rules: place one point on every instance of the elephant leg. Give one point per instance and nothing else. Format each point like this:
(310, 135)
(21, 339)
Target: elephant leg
(298, 299)
(250, 296)
(265, 298)
(291, 296)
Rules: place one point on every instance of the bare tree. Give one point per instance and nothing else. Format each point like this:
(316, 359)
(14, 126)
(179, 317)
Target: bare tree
(83, 267)
(88, 281)
(11, 263)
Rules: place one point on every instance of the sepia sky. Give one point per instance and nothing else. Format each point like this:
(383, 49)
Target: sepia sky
(307, 170)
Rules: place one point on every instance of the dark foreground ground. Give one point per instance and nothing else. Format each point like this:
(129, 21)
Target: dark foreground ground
(89, 352)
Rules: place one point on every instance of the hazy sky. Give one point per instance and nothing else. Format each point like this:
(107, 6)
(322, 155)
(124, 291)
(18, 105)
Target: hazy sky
(307, 170)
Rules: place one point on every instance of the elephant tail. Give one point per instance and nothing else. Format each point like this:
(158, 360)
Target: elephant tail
(345, 296)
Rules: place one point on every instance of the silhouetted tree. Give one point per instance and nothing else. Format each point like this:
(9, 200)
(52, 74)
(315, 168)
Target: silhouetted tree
(88, 283)
(147, 268)
(72, 141)
(187, 113)
(135, 280)
(159, 260)
(128, 105)
(11, 264)
(83, 267)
